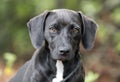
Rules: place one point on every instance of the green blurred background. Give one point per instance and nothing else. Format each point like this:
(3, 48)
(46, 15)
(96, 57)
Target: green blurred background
(102, 64)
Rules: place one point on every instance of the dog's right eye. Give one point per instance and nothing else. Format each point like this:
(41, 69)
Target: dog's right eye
(52, 29)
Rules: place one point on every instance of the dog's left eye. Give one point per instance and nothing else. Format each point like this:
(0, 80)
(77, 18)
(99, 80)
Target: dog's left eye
(75, 30)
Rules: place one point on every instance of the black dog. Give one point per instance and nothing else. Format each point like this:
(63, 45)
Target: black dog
(56, 35)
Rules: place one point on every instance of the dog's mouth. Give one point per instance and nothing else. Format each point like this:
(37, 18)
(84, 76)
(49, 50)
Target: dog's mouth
(63, 57)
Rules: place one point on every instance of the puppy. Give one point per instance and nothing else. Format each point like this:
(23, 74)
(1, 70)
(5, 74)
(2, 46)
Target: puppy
(56, 35)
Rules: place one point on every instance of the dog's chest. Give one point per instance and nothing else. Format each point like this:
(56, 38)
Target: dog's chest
(59, 72)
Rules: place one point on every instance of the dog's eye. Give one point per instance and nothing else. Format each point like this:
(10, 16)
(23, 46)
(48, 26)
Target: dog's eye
(75, 30)
(53, 30)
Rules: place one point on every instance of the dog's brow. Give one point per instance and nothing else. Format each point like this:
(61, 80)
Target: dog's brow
(76, 25)
(63, 16)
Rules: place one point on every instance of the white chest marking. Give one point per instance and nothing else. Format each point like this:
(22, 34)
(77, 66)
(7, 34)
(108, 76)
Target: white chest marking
(60, 71)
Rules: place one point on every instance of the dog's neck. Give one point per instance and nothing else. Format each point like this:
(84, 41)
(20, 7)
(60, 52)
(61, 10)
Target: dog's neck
(65, 69)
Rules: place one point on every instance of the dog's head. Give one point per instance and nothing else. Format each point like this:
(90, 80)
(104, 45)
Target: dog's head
(63, 30)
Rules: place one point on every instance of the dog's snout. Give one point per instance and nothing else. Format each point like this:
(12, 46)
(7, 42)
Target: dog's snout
(64, 50)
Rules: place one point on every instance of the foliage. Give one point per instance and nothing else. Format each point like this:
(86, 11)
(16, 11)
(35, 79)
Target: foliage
(10, 59)
(91, 76)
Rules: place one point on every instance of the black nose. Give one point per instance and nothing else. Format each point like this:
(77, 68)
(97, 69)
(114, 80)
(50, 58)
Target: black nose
(64, 50)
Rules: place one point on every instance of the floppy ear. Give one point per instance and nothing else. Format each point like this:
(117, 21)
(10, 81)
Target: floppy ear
(36, 29)
(89, 31)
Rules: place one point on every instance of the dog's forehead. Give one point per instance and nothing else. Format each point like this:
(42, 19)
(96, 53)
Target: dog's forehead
(64, 16)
